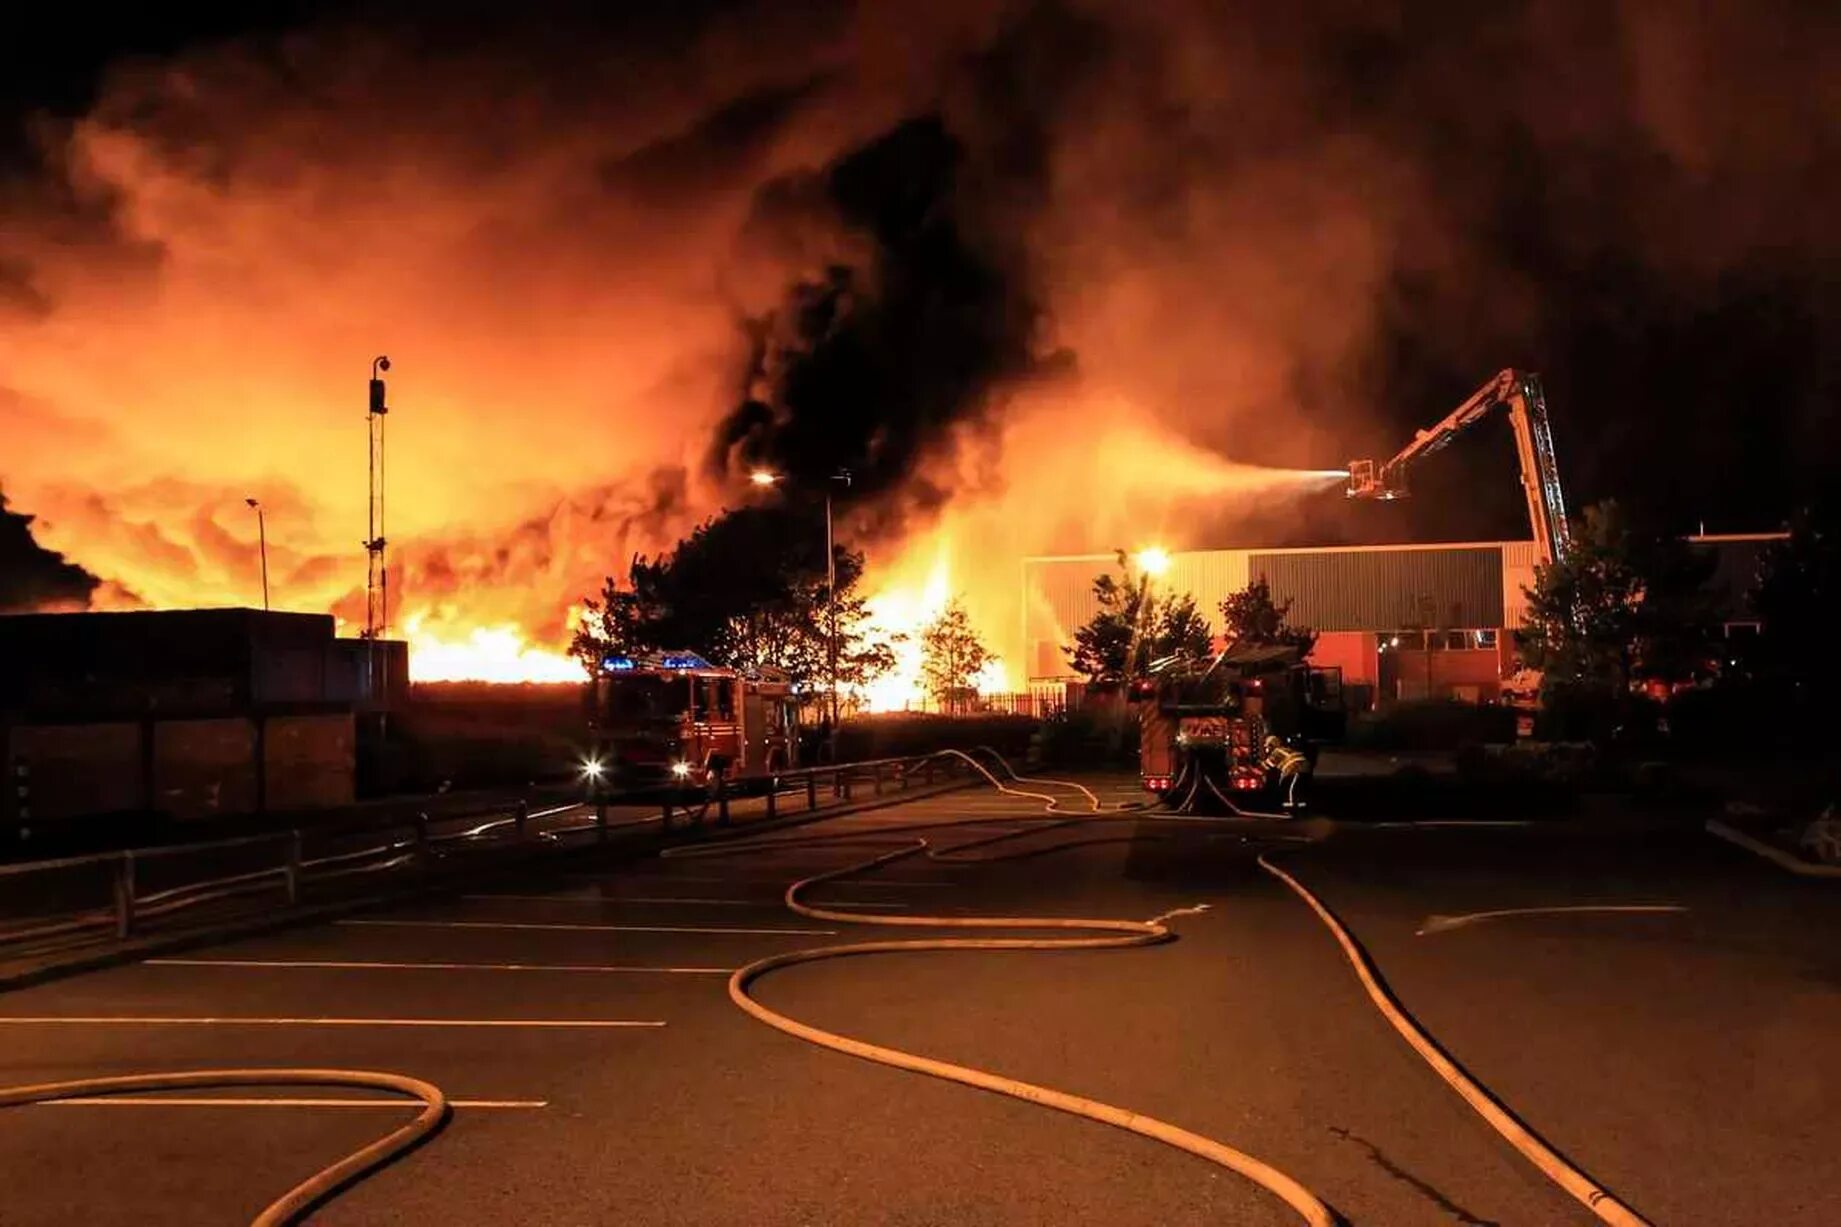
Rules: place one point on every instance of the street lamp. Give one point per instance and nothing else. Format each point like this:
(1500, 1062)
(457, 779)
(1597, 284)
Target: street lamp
(765, 478)
(262, 538)
(1152, 560)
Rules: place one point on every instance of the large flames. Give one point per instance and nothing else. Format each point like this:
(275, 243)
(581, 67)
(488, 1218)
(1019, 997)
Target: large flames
(482, 654)
(572, 282)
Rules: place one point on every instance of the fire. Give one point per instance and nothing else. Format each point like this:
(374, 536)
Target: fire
(482, 653)
(901, 611)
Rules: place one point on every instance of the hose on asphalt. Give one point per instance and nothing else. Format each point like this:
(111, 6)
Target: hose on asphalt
(1101, 934)
(1532, 1146)
(324, 1183)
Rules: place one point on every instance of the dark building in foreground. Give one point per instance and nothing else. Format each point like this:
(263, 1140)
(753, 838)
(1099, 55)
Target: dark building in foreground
(183, 714)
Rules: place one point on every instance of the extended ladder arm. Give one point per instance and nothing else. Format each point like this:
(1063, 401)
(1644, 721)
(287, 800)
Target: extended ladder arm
(1520, 393)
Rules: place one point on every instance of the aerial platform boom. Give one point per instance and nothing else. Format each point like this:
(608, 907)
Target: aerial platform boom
(1520, 393)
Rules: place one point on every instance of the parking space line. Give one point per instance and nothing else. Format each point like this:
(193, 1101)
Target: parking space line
(155, 1020)
(524, 924)
(139, 1101)
(1441, 924)
(895, 883)
(657, 899)
(361, 965)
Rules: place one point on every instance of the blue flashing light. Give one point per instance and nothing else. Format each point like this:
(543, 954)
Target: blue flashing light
(683, 660)
(618, 664)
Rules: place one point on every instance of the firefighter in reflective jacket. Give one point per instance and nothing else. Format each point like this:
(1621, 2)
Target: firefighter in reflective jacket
(1289, 765)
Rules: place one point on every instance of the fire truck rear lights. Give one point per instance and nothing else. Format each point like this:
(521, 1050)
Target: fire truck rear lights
(1156, 783)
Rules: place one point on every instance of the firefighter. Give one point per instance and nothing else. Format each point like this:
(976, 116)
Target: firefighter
(1289, 765)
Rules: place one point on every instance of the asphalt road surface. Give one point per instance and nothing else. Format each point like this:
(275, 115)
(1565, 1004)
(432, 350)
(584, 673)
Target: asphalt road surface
(1682, 1055)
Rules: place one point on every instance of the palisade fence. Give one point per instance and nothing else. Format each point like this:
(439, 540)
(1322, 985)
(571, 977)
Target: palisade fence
(47, 906)
(1037, 703)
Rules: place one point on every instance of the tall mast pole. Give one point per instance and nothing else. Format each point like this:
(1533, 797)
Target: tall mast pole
(377, 575)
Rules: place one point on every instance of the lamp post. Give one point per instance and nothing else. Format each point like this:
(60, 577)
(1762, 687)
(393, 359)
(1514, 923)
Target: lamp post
(1151, 561)
(764, 477)
(262, 539)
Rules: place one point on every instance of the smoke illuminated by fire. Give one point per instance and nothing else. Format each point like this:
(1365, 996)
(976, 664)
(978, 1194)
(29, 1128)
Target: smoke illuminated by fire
(1195, 235)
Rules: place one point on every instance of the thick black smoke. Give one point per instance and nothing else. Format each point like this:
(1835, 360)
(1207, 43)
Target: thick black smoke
(32, 577)
(870, 365)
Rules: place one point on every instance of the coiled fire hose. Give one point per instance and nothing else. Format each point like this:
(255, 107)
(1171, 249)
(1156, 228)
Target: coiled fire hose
(322, 1184)
(1107, 934)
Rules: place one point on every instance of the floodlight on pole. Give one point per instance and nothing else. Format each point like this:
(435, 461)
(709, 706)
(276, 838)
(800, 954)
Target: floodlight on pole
(1152, 560)
(262, 539)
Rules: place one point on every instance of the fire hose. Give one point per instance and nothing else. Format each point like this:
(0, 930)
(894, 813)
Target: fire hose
(1105, 934)
(322, 1184)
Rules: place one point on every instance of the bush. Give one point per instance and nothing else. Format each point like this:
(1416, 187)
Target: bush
(1432, 725)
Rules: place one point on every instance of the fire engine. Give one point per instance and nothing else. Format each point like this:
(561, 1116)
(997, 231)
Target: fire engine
(1203, 722)
(673, 719)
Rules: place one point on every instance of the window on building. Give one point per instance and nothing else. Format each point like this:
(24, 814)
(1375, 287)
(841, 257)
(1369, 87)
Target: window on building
(1486, 640)
(1408, 641)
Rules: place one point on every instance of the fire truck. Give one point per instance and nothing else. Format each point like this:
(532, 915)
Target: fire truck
(1203, 722)
(674, 720)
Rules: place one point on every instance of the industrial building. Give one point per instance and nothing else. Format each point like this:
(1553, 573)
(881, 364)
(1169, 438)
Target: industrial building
(1402, 621)
(183, 714)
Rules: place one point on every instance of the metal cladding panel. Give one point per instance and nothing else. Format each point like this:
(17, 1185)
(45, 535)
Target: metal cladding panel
(68, 770)
(1518, 562)
(1348, 590)
(309, 761)
(204, 767)
(1208, 576)
(1057, 597)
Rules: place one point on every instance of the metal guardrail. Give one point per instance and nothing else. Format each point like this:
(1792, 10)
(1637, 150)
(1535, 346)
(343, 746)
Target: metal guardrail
(412, 843)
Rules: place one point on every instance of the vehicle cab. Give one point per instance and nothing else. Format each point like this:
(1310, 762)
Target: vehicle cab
(675, 719)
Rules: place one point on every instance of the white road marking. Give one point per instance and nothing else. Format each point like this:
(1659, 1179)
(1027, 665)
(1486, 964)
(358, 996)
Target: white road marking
(658, 899)
(350, 965)
(896, 883)
(1441, 924)
(1446, 822)
(127, 1020)
(518, 924)
(135, 1101)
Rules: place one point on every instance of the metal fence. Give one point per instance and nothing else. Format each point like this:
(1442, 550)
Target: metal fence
(120, 894)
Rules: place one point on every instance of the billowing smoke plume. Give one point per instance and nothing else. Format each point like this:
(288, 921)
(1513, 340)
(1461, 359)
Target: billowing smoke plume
(32, 577)
(1049, 275)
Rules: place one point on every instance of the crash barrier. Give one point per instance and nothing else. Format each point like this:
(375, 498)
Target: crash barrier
(126, 891)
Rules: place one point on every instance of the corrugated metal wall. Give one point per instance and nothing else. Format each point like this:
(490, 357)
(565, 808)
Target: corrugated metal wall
(1518, 559)
(1356, 589)
(1349, 590)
